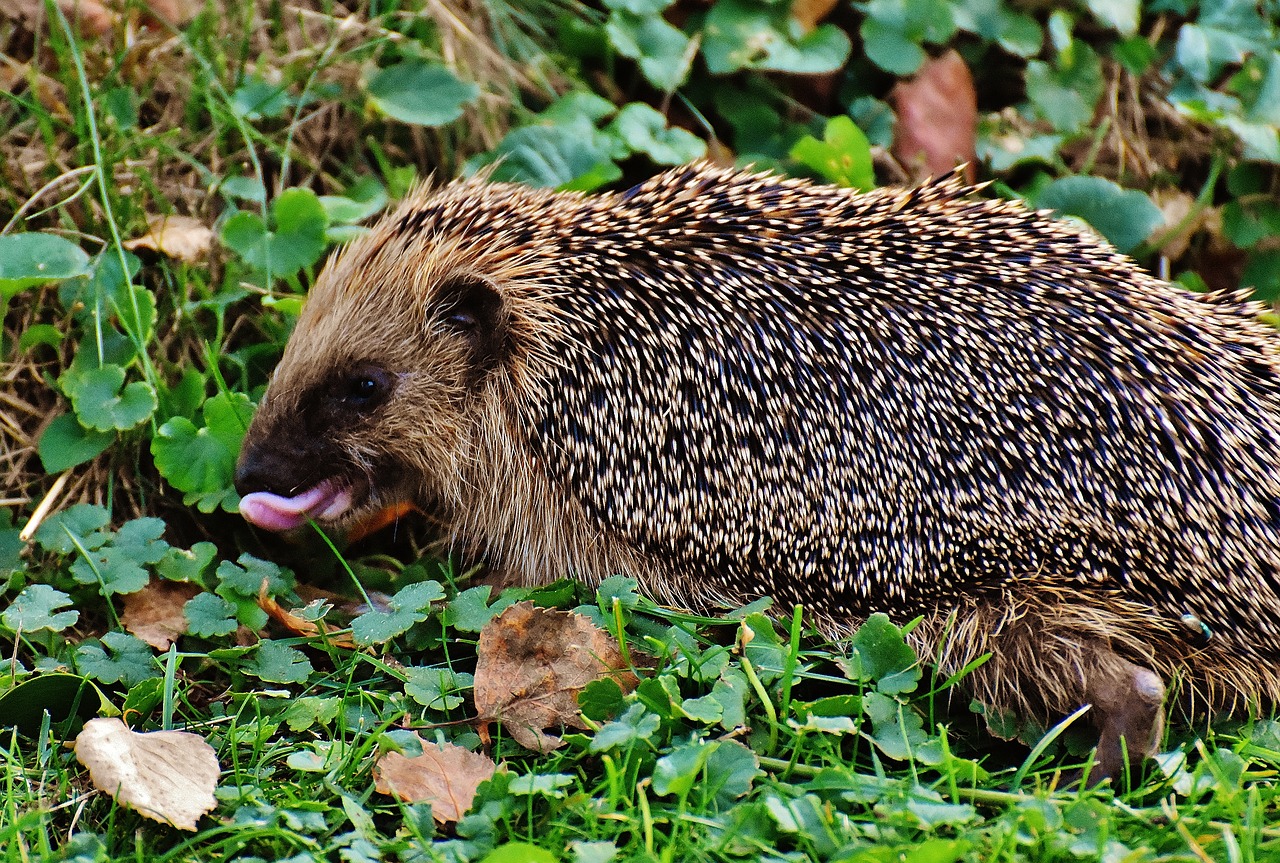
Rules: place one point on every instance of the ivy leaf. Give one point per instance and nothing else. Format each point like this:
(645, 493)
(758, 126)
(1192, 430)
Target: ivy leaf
(843, 156)
(424, 94)
(65, 443)
(1124, 216)
(27, 260)
(739, 34)
(36, 608)
(119, 658)
(661, 50)
(78, 526)
(644, 130)
(201, 461)
(295, 240)
(279, 663)
(209, 616)
(103, 401)
(410, 605)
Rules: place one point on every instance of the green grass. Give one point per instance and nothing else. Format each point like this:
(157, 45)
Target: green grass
(125, 399)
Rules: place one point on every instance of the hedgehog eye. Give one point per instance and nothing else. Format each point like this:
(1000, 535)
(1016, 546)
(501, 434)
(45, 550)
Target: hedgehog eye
(364, 388)
(462, 320)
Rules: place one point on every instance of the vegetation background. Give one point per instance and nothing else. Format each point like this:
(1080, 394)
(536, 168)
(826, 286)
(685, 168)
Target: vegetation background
(171, 176)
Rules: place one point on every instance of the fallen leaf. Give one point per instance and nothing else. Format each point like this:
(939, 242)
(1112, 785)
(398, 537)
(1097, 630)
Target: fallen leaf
(167, 776)
(445, 776)
(180, 237)
(295, 623)
(810, 13)
(532, 664)
(91, 16)
(154, 613)
(174, 12)
(937, 113)
(1173, 237)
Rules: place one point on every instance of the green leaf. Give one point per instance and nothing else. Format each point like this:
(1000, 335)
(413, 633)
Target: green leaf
(182, 565)
(740, 34)
(135, 308)
(256, 99)
(102, 401)
(27, 260)
(882, 656)
(572, 155)
(1125, 217)
(1119, 15)
(731, 770)
(644, 130)
(661, 50)
(78, 526)
(1067, 94)
(890, 49)
(119, 565)
(62, 696)
(311, 710)
(421, 93)
(119, 658)
(469, 611)
(410, 605)
(65, 443)
(518, 852)
(634, 726)
(246, 576)
(436, 688)
(201, 462)
(279, 663)
(209, 616)
(543, 784)
(295, 240)
(676, 773)
(36, 608)
(843, 156)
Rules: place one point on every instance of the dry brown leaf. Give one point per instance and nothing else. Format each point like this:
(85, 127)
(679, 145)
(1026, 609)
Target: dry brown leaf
(154, 613)
(180, 237)
(937, 114)
(167, 776)
(175, 12)
(1173, 238)
(296, 624)
(445, 776)
(811, 13)
(532, 664)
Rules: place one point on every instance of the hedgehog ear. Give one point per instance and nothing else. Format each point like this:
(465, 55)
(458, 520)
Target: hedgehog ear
(472, 309)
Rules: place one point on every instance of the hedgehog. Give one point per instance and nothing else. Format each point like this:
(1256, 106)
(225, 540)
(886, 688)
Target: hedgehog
(730, 385)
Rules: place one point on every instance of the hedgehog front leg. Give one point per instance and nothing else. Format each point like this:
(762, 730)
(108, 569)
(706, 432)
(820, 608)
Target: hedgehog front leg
(1128, 711)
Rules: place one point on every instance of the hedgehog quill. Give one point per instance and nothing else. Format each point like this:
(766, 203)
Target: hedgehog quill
(730, 385)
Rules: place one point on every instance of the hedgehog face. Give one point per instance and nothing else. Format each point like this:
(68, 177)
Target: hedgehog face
(376, 399)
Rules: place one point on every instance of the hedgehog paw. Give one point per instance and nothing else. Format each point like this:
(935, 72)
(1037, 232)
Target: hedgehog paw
(1128, 708)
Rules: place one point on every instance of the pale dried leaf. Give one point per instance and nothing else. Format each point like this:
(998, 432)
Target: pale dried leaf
(180, 237)
(937, 113)
(532, 663)
(154, 613)
(167, 776)
(445, 776)
(92, 17)
(1173, 238)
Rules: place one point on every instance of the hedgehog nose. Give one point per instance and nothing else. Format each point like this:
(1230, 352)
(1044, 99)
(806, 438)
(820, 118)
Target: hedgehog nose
(264, 469)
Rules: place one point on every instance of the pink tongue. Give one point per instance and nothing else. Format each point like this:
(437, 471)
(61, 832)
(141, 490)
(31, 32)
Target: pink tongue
(273, 512)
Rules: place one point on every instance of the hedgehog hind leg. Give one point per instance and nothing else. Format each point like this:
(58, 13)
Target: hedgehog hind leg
(1128, 711)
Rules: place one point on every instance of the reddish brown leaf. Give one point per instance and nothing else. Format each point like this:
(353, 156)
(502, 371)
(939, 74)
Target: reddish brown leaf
(532, 664)
(445, 776)
(937, 114)
(154, 613)
(296, 624)
(811, 13)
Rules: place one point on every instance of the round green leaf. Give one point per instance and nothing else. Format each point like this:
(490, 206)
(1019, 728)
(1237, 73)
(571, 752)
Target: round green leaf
(27, 260)
(103, 401)
(62, 696)
(202, 461)
(65, 443)
(1125, 217)
(421, 93)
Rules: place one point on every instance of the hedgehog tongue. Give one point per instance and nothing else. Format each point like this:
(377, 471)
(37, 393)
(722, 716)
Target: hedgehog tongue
(270, 511)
